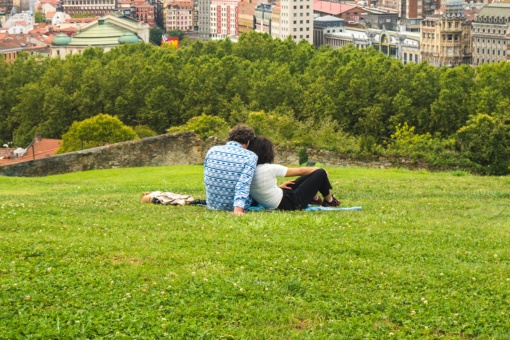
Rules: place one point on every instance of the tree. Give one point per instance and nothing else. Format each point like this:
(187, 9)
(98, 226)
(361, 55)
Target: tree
(155, 35)
(486, 141)
(96, 131)
(175, 34)
(39, 17)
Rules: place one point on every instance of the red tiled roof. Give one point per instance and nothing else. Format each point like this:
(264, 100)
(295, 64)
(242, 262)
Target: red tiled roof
(44, 148)
(332, 8)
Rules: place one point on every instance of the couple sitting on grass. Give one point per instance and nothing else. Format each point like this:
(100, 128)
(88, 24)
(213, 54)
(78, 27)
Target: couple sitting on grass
(241, 171)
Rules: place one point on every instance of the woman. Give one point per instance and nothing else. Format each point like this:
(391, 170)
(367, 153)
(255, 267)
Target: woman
(291, 195)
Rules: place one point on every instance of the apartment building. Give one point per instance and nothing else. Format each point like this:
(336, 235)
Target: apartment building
(296, 20)
(491, 34)
(204, 18)
(446, 39)
(224, 19)
(179, 15)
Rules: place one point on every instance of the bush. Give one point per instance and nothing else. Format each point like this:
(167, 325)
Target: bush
(486, 141)
(437, 152)
(204, 126)
(96, 131)
(144, 131)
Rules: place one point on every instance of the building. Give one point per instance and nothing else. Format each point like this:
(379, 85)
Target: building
(404, 46)
(246, 14)
(351, 14)
(491, 34)
(263, 18)
(143, 12)
(39, 148)
(417, 9)
(388, 21)
(204, 18)
(107, 32)
(6, 6)
(326, 25)
(179, 15)
(446, 39)
(296, 20)
(224, 19)
(92, 7)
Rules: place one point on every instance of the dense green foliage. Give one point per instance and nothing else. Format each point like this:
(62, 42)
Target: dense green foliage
(96, 131)
(426, 258)
(361, 94)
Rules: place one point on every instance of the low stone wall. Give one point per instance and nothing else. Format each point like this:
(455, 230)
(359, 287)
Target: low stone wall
(184, 148)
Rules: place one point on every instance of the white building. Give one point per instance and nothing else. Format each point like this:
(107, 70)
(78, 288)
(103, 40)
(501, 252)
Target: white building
(491, 34)
(224, 19)
(296, 20)
(404, 46)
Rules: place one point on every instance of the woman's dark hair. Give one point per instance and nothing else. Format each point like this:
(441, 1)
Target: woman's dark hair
(263, 148)
(241, 134)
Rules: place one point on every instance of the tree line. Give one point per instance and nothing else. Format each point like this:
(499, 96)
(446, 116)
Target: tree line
(326, 98)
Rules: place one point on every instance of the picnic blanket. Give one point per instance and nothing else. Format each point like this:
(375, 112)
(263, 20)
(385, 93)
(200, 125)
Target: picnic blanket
(171, 198)
(308, 208)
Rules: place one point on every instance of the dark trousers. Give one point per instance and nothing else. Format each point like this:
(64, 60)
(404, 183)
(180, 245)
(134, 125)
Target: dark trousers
(304, 190)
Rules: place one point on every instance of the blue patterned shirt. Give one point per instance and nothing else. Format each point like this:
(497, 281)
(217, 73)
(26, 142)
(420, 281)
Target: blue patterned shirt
(228, 171)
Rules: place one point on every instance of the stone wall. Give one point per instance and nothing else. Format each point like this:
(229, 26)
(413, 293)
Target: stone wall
(183, 148)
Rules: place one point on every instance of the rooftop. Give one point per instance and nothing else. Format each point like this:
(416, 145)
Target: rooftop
(331, 7)
(44, 148)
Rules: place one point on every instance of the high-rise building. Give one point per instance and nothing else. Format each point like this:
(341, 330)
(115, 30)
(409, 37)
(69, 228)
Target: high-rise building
(490, 32)
(446, 39)
(296, 20)
(246, 15)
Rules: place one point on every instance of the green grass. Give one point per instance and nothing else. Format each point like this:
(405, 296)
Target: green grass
(427, 257)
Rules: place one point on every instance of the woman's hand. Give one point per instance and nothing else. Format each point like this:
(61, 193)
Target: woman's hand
(287, 184)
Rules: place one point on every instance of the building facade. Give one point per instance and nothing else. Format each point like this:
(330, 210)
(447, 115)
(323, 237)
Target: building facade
(179, 16)
(296, 20)
(246, 14)
(204, 18)
(263, 18)
(224, 19)
(6, 6)
(491, 34)
(93, 7)
(388, 21)
(326, 25)
(143, 12)
(446, 39)
(402, 46)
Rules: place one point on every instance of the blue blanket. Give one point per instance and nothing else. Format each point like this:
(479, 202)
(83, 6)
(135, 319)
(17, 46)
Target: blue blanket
(309, 208)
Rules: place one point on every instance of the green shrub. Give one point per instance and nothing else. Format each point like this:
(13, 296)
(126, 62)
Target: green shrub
(486, 141)
(96, 131)
(144, 131)
(437, 152)
(204, 126)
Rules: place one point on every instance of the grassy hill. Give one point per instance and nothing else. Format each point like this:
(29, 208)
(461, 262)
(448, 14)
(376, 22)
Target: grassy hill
(427, 257)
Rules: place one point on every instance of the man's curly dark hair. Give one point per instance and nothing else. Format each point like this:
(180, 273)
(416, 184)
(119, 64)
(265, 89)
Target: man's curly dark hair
(241, 134)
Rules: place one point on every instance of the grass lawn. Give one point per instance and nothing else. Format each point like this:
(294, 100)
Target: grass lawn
(427, 257)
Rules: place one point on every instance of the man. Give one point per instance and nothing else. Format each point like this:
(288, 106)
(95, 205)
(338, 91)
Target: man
(228, 171)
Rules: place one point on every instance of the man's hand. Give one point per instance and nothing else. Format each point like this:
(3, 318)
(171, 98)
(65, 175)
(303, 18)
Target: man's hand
(238, 211)
(287, 184)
